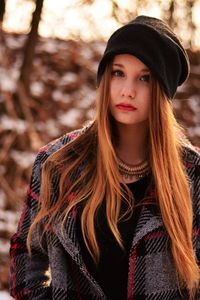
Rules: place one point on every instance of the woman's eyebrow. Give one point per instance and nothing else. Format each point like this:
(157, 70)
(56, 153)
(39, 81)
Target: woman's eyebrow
(118, 65)
(122, 66)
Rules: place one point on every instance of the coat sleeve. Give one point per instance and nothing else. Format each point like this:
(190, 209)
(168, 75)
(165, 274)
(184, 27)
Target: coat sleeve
(29, 274)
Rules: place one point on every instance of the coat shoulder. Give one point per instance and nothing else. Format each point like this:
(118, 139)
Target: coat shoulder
(191, 154)
(58, 143)
(53, 146)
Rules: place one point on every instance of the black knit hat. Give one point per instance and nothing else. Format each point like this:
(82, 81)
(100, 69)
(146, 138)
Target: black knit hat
(154, 43)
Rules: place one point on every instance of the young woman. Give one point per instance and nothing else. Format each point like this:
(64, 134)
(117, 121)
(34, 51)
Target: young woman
(113, 209)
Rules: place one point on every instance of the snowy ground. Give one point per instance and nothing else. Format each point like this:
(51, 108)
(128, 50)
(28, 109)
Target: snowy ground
(5, 296)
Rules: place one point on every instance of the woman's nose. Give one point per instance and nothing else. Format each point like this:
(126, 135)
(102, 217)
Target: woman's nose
(129, 90)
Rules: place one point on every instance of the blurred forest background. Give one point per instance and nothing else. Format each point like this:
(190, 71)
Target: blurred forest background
(49, 54)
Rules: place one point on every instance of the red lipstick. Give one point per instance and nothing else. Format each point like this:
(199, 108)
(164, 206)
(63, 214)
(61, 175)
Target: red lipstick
(126, 107)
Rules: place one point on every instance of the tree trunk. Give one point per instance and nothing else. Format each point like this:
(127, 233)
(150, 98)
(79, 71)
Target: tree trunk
(171, 15)
(23, 86)
(2, 10)
(191, 24)
(29, 48)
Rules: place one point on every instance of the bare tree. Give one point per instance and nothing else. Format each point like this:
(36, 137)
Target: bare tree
(191, 25)
(29, 49)
(3, 48)
(122, 15)
(171, 14)
(23, 87)
(2, 11)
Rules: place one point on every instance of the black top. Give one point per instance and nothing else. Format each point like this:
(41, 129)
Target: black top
(112, 270)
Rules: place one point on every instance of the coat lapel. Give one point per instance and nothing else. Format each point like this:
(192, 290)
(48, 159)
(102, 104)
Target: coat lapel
(68, 239)
(149, 220)
(147, 223)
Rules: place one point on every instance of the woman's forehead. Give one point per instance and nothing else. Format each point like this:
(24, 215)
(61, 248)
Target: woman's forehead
(123, 60)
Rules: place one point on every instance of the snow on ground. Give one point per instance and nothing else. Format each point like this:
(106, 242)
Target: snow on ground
(5, 295)
(70, 118)
(8, 222)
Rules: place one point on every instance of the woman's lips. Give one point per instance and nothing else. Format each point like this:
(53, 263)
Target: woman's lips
(126, 107)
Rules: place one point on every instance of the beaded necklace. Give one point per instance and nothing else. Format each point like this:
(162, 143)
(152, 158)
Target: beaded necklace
(129, 171)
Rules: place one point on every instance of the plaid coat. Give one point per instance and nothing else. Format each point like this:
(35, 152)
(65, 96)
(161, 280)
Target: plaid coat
(151, 275)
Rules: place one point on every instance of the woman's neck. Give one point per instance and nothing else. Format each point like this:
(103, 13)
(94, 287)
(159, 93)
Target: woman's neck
(132, 146)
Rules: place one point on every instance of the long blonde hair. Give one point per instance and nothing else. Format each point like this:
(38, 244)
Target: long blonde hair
(102, 179)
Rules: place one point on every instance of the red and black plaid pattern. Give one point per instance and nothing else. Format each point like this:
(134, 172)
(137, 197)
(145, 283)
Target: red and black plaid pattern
(57, 271)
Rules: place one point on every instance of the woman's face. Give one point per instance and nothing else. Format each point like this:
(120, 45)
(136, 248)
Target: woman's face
(130, 90)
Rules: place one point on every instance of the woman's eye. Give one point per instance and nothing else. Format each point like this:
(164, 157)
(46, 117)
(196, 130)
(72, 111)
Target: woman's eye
(145, 78)
(117, 73)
